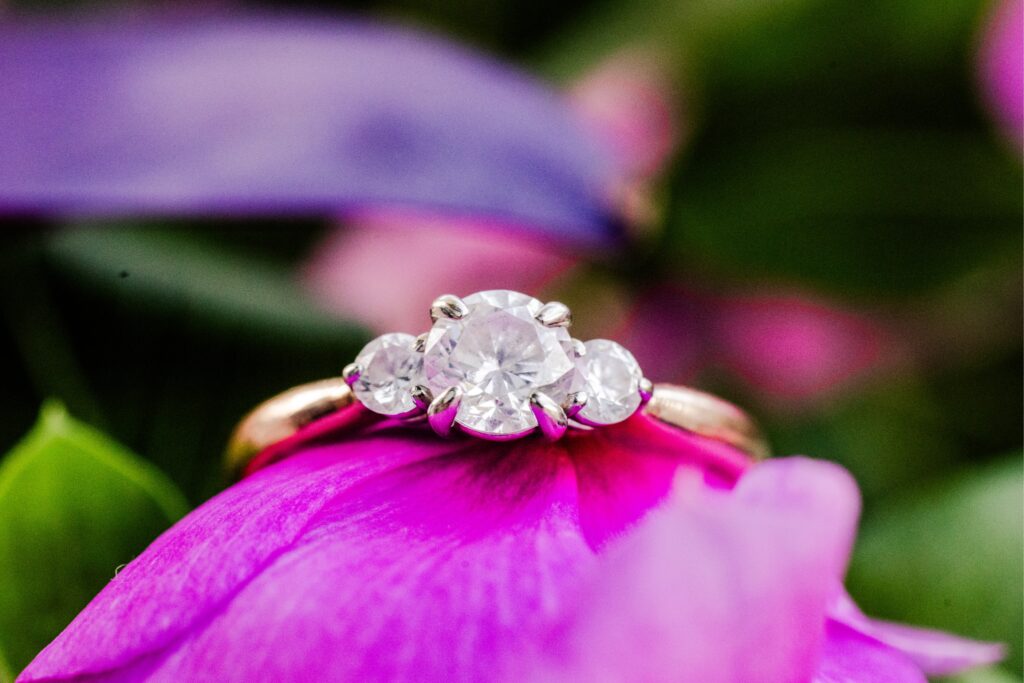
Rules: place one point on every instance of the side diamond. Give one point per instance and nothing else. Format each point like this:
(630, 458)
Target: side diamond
(610, 376)
(390, 368)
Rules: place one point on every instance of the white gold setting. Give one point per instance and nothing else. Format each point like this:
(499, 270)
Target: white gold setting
(498, 365)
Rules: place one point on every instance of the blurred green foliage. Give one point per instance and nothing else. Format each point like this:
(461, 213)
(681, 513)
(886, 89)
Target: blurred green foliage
(73, 506)
(835, 146)
(949, 555)
(165, 337)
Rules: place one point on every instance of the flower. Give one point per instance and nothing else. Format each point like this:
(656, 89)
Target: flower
(274, 114)
(795, 349)
(1001, 67)
(624, 103)
(634, 553)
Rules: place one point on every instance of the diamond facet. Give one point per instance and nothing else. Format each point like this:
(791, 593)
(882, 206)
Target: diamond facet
(610, 376)
(499, 355)
(390, 367)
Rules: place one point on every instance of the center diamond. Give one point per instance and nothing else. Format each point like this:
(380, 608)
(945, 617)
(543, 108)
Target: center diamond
(498, 354)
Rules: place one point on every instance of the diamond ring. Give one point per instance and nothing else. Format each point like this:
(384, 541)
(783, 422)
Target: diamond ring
(496, 365)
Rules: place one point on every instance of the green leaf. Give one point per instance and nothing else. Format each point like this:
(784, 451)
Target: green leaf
(986, 675)
(165, 270)
(74, 506)
(949, 556)
(177, 335)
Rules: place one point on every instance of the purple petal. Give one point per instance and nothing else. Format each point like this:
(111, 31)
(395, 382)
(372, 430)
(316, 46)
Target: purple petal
(849, 657)
(935, 652)
(394, 555)
(257, 114)
(717, 587)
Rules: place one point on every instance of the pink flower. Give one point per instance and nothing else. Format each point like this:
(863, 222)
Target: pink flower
(407, 259)
(794, 348)
(636, 553)
(627, 102)
(1001, 67)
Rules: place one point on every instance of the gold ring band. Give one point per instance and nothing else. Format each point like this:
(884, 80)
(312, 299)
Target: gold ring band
(280, 419)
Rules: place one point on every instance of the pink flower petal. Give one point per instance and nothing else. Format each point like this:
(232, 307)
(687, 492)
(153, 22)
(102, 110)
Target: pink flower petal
(387, 267)
(849, 657)
(935, 652)
(791, 347)
(1001, 67)
(795, 347)
(393, 555)
(629, 102)
(683, 599)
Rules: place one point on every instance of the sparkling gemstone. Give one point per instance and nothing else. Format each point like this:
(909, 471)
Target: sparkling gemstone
(610, 376)
(390, 368)
(499, 355)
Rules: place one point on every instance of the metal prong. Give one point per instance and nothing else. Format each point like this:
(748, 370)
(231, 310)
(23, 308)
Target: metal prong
(422, 397)
(420, 345)
(350, 373)
(574, 403)
(554, 314)
(550, 417)
(579, 348)
(448, 306)
(646, 390)
(442, 411)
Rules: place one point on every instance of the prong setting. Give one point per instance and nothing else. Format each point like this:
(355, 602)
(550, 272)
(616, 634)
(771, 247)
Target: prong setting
(579, 348)
(551, 419)
(350, 373)
(442, 411)
(646, 391)
(554, 314)
(574, 403)
(420, 345)
(422, 397)
(448, 306)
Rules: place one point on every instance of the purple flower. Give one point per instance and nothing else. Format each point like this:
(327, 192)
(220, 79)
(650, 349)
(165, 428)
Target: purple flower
(637, 553)
(286, 115)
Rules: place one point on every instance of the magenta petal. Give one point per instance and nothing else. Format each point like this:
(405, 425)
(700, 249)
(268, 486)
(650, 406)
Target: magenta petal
(934, 652)
(849, 657)
(202, 561)
(394, 555)
(717, 587)
(290, 115)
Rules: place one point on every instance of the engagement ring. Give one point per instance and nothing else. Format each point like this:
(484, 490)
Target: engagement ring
(495, 365)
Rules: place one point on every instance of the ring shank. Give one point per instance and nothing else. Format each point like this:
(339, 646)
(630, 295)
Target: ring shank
(282, 417)
(708, 416)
